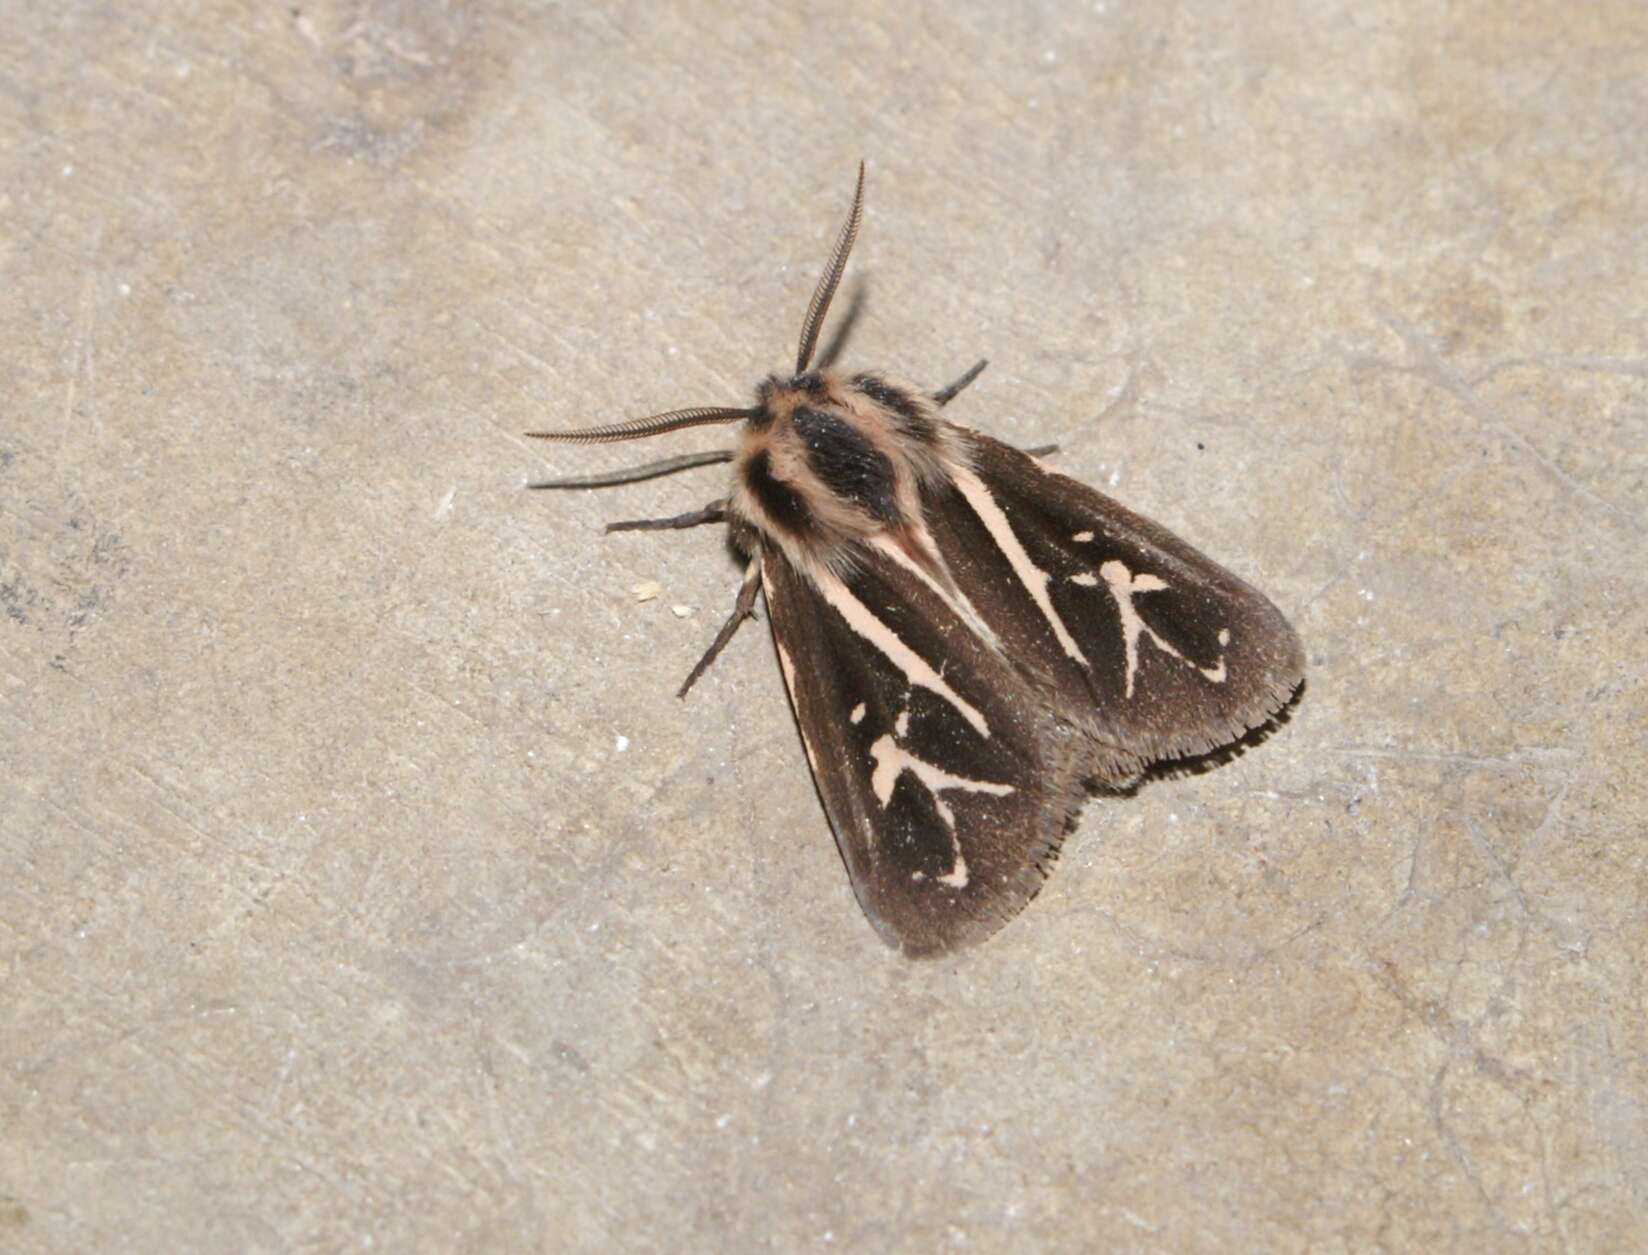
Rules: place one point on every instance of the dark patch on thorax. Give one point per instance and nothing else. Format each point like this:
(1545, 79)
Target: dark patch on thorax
(782, 503)
(847, 463)
(911, 419)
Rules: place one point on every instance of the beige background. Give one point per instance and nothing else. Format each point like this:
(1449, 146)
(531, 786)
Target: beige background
(362, 884)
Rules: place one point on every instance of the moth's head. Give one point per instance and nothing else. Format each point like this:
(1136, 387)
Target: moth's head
(776, 396)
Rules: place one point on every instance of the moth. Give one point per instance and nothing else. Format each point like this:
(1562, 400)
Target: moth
(971, 641)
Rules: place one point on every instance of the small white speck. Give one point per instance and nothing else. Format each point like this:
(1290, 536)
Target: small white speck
(858, 714)
(1172, 817)
(1115, 477)
(445, 507)
(182, 70)
(1366, 594)
(67, 171)
(672, 351)
(125, 289)
(1136, 1220)
(620, 743)
(683, 612)
(1050, 57)
(723, 1121)
(595, 927)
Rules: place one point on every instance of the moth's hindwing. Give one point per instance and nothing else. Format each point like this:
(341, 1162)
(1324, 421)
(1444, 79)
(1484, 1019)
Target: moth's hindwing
(948, 780)
(1147, 645)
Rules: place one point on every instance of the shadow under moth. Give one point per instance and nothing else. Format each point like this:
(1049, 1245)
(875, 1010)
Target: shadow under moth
(971, 641)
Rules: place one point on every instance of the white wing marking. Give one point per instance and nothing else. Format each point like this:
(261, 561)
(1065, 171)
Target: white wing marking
(1123, 585)
(956, 599)
(1034, 579)
(788, 668)
(915, 668)
(893, 760)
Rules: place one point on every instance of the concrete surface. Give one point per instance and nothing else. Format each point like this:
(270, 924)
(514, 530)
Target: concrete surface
(364, 885)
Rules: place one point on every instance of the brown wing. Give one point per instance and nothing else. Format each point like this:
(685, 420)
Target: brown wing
(947, 777)
(1152, 648)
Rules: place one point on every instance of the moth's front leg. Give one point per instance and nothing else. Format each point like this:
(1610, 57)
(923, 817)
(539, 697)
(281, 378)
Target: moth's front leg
(948, 393)
(714, 512)
(743, 608)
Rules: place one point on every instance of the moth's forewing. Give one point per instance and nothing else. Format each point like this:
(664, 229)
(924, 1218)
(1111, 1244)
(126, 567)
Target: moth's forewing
(1145, 642)
(948, 780)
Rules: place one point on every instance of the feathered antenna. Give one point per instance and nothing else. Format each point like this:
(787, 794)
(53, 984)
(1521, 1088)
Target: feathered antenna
(652, 425)
(822, 294)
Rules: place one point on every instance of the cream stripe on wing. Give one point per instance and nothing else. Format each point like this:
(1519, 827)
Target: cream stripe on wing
(957, 600)
(788, 668)
(893, 760)
(1034, 579)
(917, 670)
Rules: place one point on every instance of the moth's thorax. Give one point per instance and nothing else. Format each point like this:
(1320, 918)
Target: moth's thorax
(830, 460)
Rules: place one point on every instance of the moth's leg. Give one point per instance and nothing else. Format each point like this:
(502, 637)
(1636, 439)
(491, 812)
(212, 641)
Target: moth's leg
(714, 512)
(743, 608)
(948, 393)
(635, 474)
